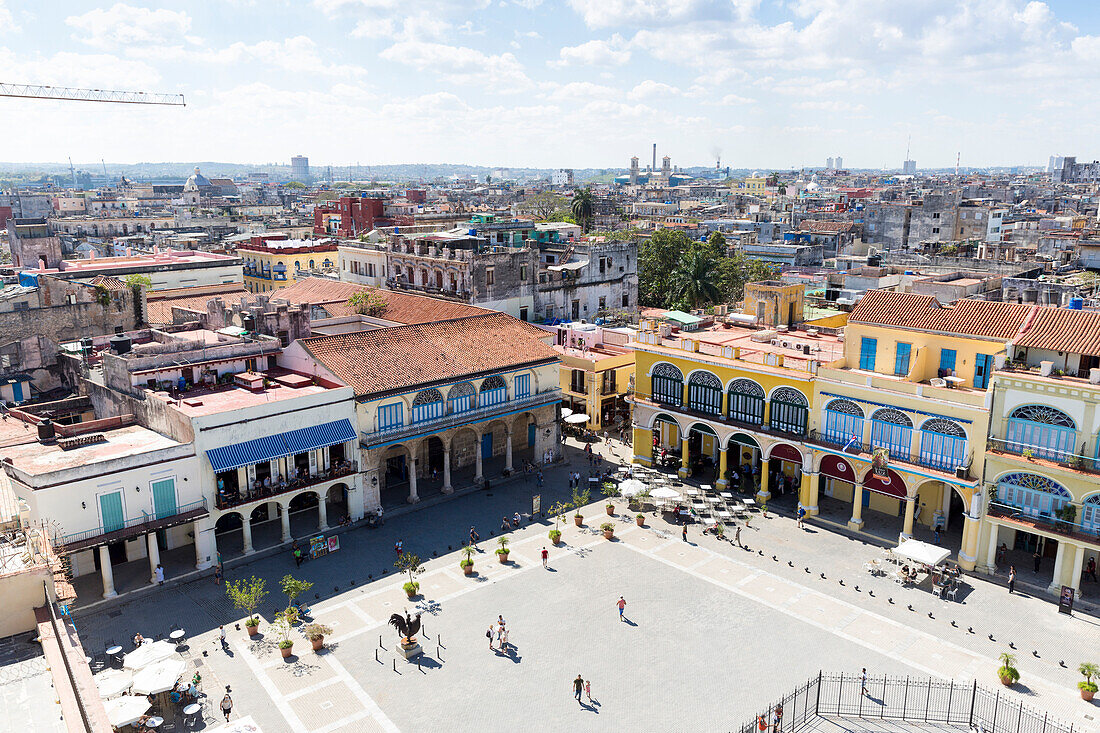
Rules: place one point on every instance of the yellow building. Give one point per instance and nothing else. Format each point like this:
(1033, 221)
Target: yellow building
(272, 262)
(595, 377)
(752, 184)
(774, 303)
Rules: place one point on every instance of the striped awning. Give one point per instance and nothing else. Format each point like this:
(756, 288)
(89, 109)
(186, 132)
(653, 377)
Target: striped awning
(234, 456)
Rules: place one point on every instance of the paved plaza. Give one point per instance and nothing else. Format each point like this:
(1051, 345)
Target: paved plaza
(713, 632)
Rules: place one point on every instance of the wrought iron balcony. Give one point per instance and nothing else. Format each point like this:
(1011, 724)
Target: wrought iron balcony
(134, 527)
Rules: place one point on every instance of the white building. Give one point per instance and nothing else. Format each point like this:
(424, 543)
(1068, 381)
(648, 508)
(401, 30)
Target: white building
(363, 263)
(562, 177)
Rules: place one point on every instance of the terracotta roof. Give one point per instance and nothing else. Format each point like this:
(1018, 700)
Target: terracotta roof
(828, 227)
(110, 283)
(401, 307)
(981, 318)
(159, 304)
(1061, 329)
(402, 357)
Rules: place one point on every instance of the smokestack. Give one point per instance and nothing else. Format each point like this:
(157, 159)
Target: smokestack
(654, 157)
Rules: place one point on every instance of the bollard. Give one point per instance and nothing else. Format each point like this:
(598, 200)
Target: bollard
(439, 640)
(437, 653)
(417, 662)
(380, 642)
(376, 657)
(395, 664)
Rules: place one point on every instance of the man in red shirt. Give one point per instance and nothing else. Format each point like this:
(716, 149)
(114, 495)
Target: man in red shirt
(545, 556)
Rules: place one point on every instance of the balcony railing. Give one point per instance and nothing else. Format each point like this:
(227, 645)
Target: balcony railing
(134, 527)
(227, 500)
(935, 461)
(457, 418)
(766, 428)
(1068, 459)
(1052, 524)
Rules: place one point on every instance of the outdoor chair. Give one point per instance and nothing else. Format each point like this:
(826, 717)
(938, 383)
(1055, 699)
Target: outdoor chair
(953, 592)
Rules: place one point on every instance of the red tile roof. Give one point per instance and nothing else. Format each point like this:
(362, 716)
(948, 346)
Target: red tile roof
(110, 283)
(403, 357)
(159, 303)
(1061, 329)
(828, 227)
(400, 307)
(982, 318)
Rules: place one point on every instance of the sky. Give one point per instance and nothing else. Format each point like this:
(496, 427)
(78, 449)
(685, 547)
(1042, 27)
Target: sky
(559, 83)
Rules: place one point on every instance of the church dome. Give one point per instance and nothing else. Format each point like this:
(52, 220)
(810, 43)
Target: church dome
(197, 181)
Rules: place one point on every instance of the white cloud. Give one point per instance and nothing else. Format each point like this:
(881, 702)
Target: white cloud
(7, 21)
(834, 105)
(620, 13)
(610, 52)
(126, 25)
(734, 100)
(580, 90)
(298, 54)
(650, 88)
(461, 65)
(98, 71)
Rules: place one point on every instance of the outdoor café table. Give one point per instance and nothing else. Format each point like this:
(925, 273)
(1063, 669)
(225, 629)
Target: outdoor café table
(698, 506)
(688, 491)
(749, 502)
(711, 499)
(726, 495)
(154, 722)
(177, 635)
(724, 514)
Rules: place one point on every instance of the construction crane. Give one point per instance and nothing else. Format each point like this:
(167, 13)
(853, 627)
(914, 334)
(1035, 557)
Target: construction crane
(33, 91)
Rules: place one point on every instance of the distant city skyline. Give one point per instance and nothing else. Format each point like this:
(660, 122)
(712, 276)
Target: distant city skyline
(561, 83)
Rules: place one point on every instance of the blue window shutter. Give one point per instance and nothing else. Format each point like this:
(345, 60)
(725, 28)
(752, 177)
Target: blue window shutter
(867, 349)
(947, 359)
(901, 362)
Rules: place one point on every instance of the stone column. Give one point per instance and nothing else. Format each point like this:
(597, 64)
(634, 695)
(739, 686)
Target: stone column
(764, 494)
(809, 491)
(722, 467)
(322, 512)
(447, 488)
(684, 457)
(285, 517)
(1059, 565)
(1078, 567)
(643, 446)
(478, 475)
(107, 573)
(413, 496)
(991, 558)
(856, 522)
(246, 534)
(968, 553)
(508, 450)
(154, 555)
(910, 511)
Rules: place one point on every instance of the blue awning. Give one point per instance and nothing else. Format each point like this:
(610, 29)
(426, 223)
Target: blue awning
(229, 457)
(319, 436)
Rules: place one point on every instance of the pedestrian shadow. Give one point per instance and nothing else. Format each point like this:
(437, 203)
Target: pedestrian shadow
(629, 622)
(550, 569)
(875, 700)
(427, 662)
(510, 653)
(588, 707)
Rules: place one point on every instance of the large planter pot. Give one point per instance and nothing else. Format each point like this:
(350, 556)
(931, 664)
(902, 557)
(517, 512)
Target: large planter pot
(640, 521)
(253, 630)
(503, 557)
(286, 651)
(1087, 695)
(609, 534)
(1007, 681)
(610, 510)
(410, 594)
(318, 643)
(577, 519)
(467, 569)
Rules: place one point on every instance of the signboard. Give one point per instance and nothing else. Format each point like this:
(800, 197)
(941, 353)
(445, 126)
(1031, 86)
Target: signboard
(880, 462)
(1065, 600)
(536, 505)
(317, 546)
(333, 543)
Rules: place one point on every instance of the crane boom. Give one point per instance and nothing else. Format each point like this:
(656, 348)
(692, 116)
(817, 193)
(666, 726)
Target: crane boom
(33, 91)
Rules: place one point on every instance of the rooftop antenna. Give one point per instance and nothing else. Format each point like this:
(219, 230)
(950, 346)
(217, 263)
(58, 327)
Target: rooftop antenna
(907, 142)
(72, 171)
(958, 156)
(104, 164)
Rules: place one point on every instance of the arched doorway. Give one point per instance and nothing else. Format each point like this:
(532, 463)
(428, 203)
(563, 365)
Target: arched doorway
(492, 447)
(336, 504)
(228, 537)
(666, 441)
(465, 443)
(836, 487)
(396, 463)
(304, 517)
(265, 525)
(784, 474)
(743, 457)
(524, 436)
(703, 447)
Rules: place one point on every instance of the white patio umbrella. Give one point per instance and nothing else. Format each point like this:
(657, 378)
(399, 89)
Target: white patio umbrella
(148, 653)
(126, 709)
(630, 487)
(158, 677)
(664, 493)
(566, 412)
(577, 419)
(113, 682)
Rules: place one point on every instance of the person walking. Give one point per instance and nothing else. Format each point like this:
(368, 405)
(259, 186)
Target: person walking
(296, 550)
(622, 607)
(684, 534)
(801, 515)
(227, 706)
(545, 557)
(737, 535)
(473, 537)
(489, 636)
(588, 689)
(218, 573)
(221, 637)
(503, 639)
(160, 574)
(863, 682)
(1038, 559)
(578, 687)
(778, 718)
(1090, 569)
(1011, 578)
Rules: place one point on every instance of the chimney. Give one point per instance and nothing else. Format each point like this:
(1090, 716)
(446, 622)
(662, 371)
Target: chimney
(654, 157)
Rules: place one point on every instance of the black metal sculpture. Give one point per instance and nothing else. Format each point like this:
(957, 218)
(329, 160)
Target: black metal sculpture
(406, 626)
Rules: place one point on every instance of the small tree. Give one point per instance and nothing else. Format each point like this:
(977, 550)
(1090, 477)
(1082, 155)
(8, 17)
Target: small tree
(468, 551)
(409, 563)
(293, 587)
(368, 303)
(247, 595)
(581, 496)
(1089, 670)
(137, 280)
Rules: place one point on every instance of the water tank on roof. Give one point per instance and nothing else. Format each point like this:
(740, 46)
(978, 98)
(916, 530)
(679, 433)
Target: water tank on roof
(1076, 304)
(874, 261)
(248, 323)
(120, 344)
(45, 430)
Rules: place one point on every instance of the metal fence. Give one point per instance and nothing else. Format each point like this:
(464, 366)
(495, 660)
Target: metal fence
(912, 699)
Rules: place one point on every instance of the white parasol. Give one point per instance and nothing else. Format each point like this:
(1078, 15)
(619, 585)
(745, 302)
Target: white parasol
(566, 412)
(148, 653)
(630, 487)
(577, 419)
(665, 493)
(113, 682)
(126, 709)
(159, 677)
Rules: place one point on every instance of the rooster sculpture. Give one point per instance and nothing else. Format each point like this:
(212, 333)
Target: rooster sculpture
(406, 626)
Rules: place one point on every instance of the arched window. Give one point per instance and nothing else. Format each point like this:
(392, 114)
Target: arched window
(1090, 513)
(460, 398)
(427, 405)
(493, 391)
(942, 444)
(746, 402)
(1046, 431)
(1037, 496)
(705, 393)
(789, 411)
(668, 384)
(892, 429)
(311, 264)
(843, 424)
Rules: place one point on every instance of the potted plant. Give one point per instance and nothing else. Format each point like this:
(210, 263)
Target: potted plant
(608, 530)
(247, 595)
(557, 512)
(467, 563)
(502, 551)
(610, 490)
(580, 498)
(637, 500)
(720, 531)
(282, 623)
(409, 563)
(640, 519)
(1028, 453)
(316, 633)
(1088, 687)
(293, 588)
(1008, 673)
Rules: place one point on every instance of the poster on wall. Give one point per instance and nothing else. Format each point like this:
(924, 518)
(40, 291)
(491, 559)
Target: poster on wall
(880, 462)
(536, 505)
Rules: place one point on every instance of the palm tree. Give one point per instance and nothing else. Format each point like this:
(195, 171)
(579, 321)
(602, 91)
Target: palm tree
(695, 281)
(582, 207)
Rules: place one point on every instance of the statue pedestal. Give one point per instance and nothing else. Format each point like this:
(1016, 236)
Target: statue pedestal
(410, 649)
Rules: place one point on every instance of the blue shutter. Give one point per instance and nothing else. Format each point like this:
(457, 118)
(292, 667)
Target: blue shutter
(164, 498)
(523, 386)
(982, 368)
(901, 361)
(110, 509)
(947, 359)
(867, 349)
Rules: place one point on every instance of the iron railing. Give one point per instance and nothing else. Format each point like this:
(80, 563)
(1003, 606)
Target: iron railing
(145, 518)
(910, 699)
(1049, 522)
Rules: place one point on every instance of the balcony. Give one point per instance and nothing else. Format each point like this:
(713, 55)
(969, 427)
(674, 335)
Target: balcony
(461, 295)
(763, 428)
(454, 419)
(924, 459)
(227, 500)
(1044, 455)
(1043, 523)
(132, 528)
